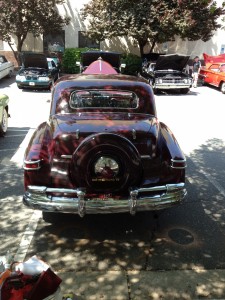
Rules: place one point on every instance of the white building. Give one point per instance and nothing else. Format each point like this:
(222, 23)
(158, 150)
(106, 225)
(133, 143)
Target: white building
(72, 37)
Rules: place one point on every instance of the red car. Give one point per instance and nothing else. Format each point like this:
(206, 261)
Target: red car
(103, 149)
(214, 71)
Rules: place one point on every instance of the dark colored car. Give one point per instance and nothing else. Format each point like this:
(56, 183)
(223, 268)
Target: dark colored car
(37, 71)
(113, 58)
(4, 114)
(103, 149)
(168, 73)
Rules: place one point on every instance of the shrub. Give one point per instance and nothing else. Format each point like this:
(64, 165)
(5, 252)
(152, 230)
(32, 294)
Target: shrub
(133, 64)
(69, 59)
(72, 55)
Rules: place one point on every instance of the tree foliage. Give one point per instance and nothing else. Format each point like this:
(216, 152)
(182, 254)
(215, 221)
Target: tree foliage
(19, 17)
(152, 21)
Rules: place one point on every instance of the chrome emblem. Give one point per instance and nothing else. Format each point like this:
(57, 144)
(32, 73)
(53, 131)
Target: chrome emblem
(106, 168)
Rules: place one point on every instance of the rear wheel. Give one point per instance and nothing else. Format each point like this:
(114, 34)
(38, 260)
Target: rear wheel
(222, 87)
(4, 123)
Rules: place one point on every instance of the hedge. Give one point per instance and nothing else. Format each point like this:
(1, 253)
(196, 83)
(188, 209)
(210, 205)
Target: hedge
(72, 55)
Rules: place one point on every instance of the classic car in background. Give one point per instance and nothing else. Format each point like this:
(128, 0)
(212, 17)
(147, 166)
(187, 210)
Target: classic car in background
(6, 67)
(168, 73)
(113, 58)
(37, 71)
(103, 149)
(4, 114)
(213, 73)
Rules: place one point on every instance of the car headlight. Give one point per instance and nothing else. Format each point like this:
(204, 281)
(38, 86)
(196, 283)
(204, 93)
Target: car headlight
(159, 80)
(185, 80)
(20, 78)
(44, 78)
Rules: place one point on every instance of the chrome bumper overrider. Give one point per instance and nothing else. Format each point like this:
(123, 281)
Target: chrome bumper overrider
(37, 197)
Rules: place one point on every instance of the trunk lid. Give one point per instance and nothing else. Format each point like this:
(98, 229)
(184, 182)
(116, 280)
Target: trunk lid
(70, 131)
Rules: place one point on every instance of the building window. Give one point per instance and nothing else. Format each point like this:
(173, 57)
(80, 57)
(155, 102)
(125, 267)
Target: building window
(54, 42)
(86, 42)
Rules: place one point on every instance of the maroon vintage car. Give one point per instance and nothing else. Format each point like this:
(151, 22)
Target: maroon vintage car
(103, 149)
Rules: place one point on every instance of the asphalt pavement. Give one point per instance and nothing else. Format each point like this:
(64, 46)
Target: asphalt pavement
(175, 254)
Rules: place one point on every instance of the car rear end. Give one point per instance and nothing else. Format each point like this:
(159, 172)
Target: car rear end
(104, 151)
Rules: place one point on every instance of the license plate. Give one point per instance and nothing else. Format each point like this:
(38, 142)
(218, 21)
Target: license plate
(31, 83)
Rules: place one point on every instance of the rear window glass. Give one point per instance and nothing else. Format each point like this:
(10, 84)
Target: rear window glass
(103, 99)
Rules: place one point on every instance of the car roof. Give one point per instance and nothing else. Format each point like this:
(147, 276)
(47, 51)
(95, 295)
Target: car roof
(73, 78)
(67, 84)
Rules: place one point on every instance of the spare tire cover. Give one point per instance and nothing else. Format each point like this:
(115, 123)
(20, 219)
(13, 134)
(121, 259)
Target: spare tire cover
(123, 168)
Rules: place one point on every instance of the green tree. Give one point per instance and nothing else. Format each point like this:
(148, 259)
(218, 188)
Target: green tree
(151, 21)
(19, 17)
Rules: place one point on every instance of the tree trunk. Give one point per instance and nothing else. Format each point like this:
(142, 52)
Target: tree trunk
(15, 53)
(141, 44)
(152, 46)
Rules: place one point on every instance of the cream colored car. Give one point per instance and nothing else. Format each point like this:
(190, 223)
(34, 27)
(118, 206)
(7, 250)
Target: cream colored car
(4, 113)
(6, 67)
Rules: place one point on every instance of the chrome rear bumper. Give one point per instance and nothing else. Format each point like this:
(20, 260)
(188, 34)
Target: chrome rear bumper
(143, 199)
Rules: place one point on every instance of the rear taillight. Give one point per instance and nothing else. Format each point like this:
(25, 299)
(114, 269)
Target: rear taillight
(32, 165)
(178, 164)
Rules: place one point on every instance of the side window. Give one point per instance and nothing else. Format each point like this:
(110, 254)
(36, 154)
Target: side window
(222, 68)
(214, 67)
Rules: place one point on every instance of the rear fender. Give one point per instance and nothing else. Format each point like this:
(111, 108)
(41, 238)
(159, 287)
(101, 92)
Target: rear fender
(38, 156)
(173, 158)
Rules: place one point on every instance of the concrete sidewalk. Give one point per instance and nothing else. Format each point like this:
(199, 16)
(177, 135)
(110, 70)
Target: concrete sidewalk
(141, 285)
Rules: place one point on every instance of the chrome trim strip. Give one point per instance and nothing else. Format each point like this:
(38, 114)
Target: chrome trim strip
(134, 134)
(177, 85)
(77, 134)
(66, 156)
(145, 156)
(142, 199)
